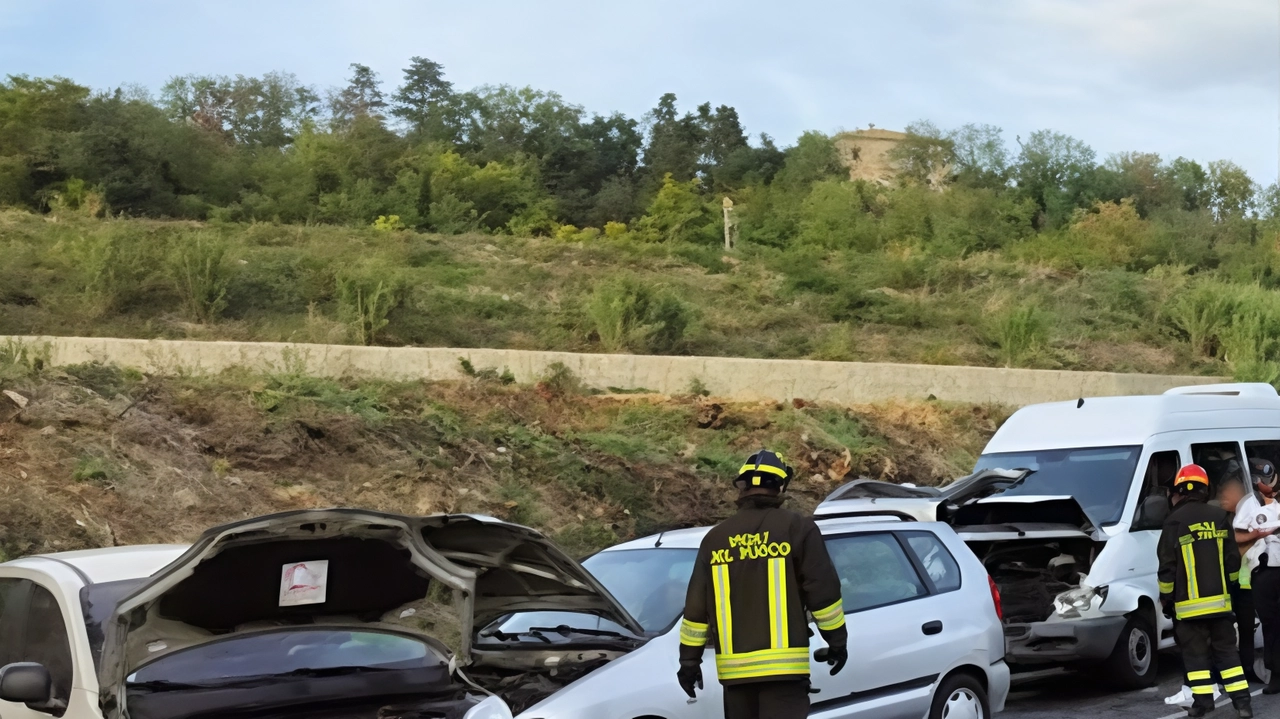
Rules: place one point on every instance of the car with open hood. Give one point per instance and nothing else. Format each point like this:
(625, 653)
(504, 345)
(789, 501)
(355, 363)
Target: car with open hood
(925, 631)
(325, 614)
(1065, 507)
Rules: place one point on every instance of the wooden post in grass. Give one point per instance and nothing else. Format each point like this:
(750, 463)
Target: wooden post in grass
(730, 226)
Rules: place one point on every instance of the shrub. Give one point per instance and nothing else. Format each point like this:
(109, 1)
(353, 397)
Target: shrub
(1019, 332)
(1203, 312)
(115, 266)
(628, 314)
(198, 271)
(615, 230)
(388, 223)
(365, 298)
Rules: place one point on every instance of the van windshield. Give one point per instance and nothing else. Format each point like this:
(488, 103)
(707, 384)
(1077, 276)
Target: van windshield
(1098, 478)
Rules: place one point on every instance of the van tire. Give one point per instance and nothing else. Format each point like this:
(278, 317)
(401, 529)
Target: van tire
(1134, 663)
(960, 696)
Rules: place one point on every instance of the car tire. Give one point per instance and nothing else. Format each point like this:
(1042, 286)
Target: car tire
(960, 696)
(1134, 663)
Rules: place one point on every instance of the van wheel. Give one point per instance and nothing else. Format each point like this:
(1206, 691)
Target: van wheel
(1134, 662)
(960, 696)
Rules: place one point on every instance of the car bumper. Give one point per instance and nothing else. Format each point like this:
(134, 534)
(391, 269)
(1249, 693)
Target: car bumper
(997, 685)
(1058, 642)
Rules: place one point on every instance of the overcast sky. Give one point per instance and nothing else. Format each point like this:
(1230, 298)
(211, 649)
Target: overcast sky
(1180, 77)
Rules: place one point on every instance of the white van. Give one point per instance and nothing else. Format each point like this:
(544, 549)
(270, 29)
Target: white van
(1065, 507)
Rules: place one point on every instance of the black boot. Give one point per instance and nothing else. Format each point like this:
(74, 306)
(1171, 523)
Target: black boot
(1273, 686)
(1244, 706)
(1201, 705)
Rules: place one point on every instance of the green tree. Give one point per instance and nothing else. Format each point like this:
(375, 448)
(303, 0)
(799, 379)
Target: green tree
(426, 102)
(361, 98)
(1057, 171)
(926, 156)
(981, 156)
(1232, 193)
(675, 143)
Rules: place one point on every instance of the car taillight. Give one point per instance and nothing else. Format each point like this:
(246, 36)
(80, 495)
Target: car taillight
(995, 598)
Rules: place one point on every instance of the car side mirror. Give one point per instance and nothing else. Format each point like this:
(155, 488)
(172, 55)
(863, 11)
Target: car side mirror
(25, 683)
(1152, 512)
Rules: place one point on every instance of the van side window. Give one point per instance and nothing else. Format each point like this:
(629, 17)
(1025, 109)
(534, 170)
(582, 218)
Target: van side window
(1161, 470)
(1267, 449)
(1221, 461)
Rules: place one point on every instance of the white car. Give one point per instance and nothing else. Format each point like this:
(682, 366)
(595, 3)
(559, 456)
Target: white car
(923, 616)
(325, 614)
(1065, 507)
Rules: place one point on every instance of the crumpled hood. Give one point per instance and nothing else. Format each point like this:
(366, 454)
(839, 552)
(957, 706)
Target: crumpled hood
(1061, 515)
(344, 567)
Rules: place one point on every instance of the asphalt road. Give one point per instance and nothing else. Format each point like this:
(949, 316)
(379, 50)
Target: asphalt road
(1068, 695)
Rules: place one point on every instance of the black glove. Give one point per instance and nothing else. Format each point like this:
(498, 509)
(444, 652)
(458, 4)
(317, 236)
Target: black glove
(690, 676)
(1166, 603)
(836, 658)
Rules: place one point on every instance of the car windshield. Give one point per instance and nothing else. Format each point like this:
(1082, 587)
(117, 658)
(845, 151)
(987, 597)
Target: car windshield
(289, 652)
(649, 583)
(1098, 478)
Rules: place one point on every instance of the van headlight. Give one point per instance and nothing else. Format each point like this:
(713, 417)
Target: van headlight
(1070, 603)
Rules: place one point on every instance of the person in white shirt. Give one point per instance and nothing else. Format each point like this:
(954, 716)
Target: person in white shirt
(1257, 516)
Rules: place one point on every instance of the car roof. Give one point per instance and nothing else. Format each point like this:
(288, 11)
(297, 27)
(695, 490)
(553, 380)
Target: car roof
(1127, 421)
(692, 538)
(109, 564)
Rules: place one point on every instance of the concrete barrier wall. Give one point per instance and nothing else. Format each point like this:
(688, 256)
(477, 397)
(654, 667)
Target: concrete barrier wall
(728, 377)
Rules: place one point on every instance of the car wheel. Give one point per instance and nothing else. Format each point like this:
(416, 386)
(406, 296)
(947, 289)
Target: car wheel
(1133, 663)
(960, 696)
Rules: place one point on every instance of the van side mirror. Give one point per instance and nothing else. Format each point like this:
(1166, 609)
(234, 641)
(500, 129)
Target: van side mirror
(25, 683)
(1151, 514)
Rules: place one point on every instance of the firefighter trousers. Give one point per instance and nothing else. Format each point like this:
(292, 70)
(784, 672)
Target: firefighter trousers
(1207, 645)
(783, 699)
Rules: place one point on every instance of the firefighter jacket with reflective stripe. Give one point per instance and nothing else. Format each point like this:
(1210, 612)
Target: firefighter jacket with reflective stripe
(1199, 560)
(756, 575)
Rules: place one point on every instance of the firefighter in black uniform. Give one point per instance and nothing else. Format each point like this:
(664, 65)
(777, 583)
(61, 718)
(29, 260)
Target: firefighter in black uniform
(756, 575)
(1199, 562)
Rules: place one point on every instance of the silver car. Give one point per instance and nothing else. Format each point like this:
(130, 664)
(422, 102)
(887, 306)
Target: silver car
(923, 617)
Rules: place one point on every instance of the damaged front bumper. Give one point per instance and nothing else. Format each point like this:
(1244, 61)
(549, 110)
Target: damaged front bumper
(1058, 642)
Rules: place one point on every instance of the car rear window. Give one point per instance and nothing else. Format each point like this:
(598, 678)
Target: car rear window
(936, 560)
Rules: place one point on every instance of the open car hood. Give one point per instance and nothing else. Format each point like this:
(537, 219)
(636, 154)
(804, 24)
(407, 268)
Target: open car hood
(343, 567)
(1023, 516)
(868, 497)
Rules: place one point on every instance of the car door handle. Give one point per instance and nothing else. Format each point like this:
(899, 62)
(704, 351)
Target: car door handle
(931, 628)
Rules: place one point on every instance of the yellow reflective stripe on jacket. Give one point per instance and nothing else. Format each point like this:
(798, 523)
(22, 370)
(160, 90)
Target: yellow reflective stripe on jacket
(724, 607)
(1222, 566)
(1166, 587)
(763, 663)
(779, 632)
(1191, 608)
(692, 633)
(830, 618)
(1189, 564)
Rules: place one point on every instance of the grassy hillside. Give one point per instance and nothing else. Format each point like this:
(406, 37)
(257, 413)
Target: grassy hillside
(70, 275)
(101, 455)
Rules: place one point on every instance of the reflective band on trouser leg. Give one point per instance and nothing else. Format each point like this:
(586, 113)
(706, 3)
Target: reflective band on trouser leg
(1201, 682)
(1239, 685)
(1189, 563)
(764, 663)
(693, 634)
(724, 610)
(830, 618)
(1204, 606)
(778, 629)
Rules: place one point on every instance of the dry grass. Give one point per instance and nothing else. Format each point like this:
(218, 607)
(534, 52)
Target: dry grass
(103, 457)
